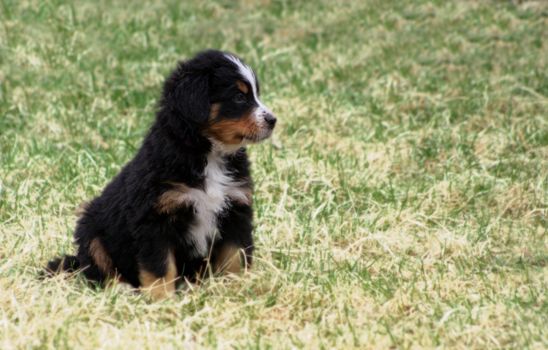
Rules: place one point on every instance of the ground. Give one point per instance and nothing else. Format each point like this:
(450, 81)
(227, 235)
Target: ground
(402, 202)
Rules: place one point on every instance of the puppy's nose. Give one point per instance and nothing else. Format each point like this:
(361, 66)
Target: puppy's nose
(270, 119)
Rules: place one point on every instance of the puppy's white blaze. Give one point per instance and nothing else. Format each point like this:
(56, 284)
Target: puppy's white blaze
(248, 74)
(261, 110)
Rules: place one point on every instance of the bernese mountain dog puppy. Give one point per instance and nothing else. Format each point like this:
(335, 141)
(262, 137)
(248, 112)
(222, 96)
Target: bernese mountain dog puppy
(183, 205)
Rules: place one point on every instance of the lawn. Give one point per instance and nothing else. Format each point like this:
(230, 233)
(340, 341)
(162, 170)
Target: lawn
(402, 202)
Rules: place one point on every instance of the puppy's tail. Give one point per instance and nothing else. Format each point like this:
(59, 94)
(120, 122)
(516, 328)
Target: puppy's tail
(67, 263)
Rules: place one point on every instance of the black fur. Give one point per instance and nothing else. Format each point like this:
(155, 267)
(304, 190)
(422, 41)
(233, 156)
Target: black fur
(68, 263)
(132, 231)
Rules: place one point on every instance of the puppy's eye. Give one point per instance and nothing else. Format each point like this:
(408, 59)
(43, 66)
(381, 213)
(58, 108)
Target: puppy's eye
(239, 98)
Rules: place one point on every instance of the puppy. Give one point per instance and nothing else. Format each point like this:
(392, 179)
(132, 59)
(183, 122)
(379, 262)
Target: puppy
(183, 204)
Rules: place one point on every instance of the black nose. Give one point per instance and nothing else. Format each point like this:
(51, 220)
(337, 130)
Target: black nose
(270, 120)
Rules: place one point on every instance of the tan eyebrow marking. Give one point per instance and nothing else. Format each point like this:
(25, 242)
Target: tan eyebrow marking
(242, 86)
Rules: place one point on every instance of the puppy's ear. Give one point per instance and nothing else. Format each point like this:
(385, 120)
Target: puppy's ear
(186, 95)
(191, 97)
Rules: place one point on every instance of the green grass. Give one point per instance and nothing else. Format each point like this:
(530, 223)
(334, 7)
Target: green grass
(402, 202)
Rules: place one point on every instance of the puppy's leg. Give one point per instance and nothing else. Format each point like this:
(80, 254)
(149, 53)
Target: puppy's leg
(228, 258)
(157, 271)
(234, 251)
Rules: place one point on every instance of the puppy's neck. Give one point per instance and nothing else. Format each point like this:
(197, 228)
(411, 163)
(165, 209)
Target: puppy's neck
(221, 149)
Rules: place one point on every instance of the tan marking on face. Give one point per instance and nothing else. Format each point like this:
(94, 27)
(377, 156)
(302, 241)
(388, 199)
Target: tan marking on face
(100, 256)
(156, 287)
(172, 199)
(233, 131)
(228, 259)
(242, 86)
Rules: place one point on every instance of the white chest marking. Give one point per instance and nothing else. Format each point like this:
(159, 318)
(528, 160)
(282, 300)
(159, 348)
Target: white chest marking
(209, 202)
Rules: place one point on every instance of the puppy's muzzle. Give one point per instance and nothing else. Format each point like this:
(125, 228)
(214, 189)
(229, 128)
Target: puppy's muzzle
(270, 120)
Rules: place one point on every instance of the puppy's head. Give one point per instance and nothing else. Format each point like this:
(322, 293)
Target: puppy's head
(219, 94)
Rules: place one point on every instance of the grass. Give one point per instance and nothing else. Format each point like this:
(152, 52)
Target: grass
(402, 202)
